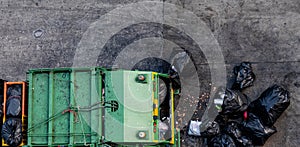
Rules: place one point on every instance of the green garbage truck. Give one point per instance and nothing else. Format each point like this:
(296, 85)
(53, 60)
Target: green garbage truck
(93, 106)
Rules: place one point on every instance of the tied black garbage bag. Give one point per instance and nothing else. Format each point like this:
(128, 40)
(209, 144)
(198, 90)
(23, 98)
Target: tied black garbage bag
(233, 129)
(13, 107)
(234, 104)
(255, 129)
(271, 104)
(13, 103)
(244, 76)
(15, 90)
(222, 140)
(12, 132)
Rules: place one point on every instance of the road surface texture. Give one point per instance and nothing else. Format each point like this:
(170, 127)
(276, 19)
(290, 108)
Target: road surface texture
(189, 34)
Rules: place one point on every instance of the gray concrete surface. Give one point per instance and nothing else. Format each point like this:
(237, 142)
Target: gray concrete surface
(46, 34)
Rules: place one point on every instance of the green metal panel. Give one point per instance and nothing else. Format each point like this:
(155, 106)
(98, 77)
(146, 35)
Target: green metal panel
(138, 106)
(64, 106)
(38, 108)
(60, 99)
(135, 106)
(114, 121)
(82, 98)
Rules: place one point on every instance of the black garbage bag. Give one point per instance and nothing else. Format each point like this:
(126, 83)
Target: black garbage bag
(271, 104)
(174, 76)
(12, 132)
(234, 103)
(14, 91)
(244, 76)
(13, 107)
(222, 140)
(233, 129)
(256, 130)
(13, 103)
(213, 129)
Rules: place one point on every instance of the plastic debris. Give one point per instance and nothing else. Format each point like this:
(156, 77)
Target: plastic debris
(271, 104)
(12, 132)
(194, 128)
(244, 76)
(163, 129)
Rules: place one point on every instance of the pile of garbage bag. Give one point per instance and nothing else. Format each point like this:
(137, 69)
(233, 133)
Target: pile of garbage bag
(241, 122)
(11, 131)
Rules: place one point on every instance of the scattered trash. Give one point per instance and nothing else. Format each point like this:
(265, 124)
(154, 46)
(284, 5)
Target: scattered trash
(38, 33)
(239, 122)
(244, 76)
(218, 103)
(214, 107)
(194, 128)
(163, 129)
(12, 132)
